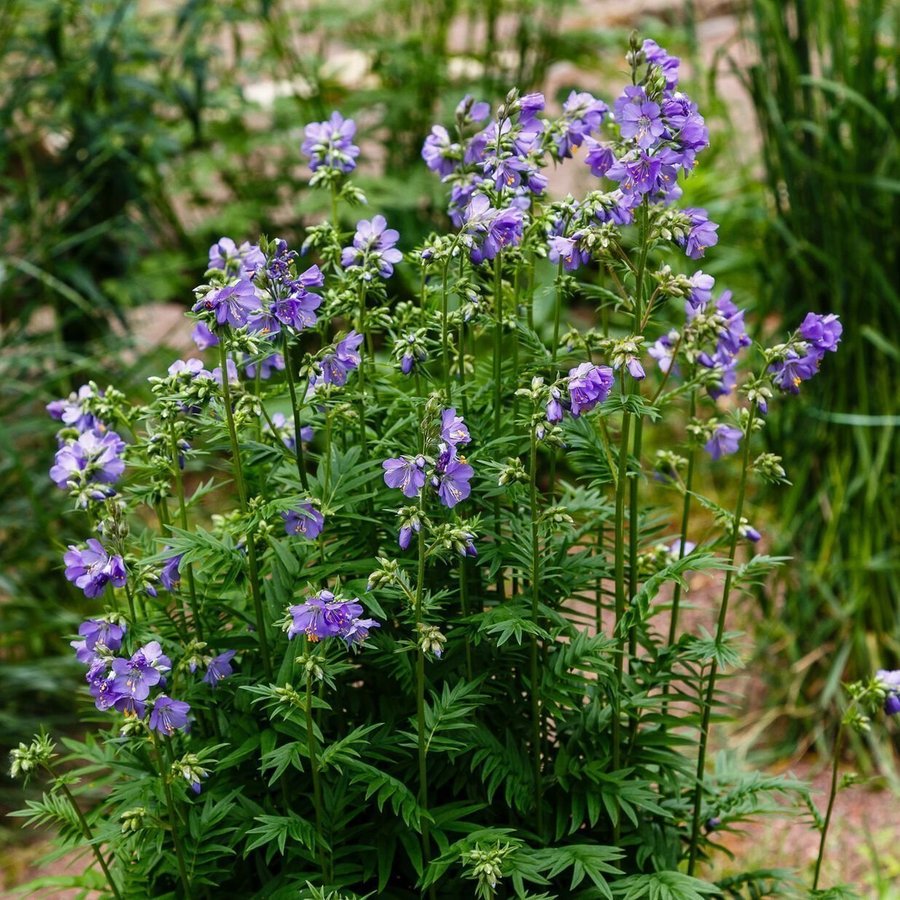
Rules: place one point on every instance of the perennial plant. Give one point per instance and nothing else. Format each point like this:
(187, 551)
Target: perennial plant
(386, 605)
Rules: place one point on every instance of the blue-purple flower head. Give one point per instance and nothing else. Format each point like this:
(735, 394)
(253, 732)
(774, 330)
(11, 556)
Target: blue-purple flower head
(232, 304)
(274, 362)
(169, 716)
(639, 118)
(822, 333)
(305, 521)
(330, 144)
(170, 576)
(441, 154)
(454, 430)
(91, 568)
(451, 477)
(374, 249)
(406, 473)
(99, 638)
(336, 366)
(94, 458)
(219, 668)
(583, 115)
(73, 410)
(323, 616)
(145, 669)
(242, 261)
(890, 681)
(701, 234)
(789, 373)
(568, 251)
(724, 441)
(668, 65)
(588, 385)
(490, 230)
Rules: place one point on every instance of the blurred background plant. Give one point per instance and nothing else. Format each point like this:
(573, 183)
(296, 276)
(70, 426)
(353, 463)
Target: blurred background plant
(826, 90)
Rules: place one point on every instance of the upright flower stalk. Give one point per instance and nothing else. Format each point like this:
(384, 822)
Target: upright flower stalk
(536, 723)
(709, 697)
(245, 507)
(295, 411)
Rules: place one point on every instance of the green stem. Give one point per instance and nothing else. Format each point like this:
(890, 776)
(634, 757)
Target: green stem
(86, 831)
(498, 395)
(464, 605)
(720, 629)
(445, 341)
(621, 485)
(131, 606)
(295, 409)
(242, 494)
(831, 795)
(536, 739)
(314, 769)
(420, 687)
(634, 527)
(183, 521)
(173, 816)
(557, 310)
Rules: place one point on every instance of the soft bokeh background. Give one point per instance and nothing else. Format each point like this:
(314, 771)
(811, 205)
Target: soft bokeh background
(137, 132)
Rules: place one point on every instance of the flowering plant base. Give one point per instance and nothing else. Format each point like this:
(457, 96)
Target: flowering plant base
(415, 648)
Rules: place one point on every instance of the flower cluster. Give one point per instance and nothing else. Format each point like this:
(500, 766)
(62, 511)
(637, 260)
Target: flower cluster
(305, 521)
(330, 144)
(816, 336)
(447, 471)
(92, 568)
(585, 387)
(323, 615)
(374, 249)
(89, 465)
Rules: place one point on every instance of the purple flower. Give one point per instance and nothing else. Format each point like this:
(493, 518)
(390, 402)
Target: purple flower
(725, 440)
(305, 521)
(134, 677)
(406, 532)
(451, 478)
(72, 411)
(637, 175)
(701, 290)
(309, 618)
(582, 114)
(190, 368)
(97, 635)
(822, 333)
(890, 681)
(374, 248)
(441, 155)
(589, 385)
(228, 257)
(655, 55)
(331, 144)
(94, 458)
(639, 118)
(232, 304)
(567, 250)
(219, 667)
(168, 715)
(599, 156)
(358, 630)
(230, 368)
(453, 429)
(92, 568)
(406, 473)
(554, 407)
(338, 365)
(170, 576)
(267, 365)
(663, 351)
(702, 233)
(203, 337)
(491, 229)
(794, 369)
(529, 106)
(470, 110)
